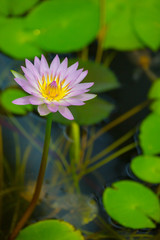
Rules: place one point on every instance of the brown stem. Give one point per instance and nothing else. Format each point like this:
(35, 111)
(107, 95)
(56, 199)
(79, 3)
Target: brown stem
(39, 183)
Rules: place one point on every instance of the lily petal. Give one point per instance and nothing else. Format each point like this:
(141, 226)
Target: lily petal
(36, 100)
(22, 100)
(65, 112)
(43, 110)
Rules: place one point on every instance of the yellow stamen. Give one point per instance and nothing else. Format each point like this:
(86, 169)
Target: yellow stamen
(52, 89)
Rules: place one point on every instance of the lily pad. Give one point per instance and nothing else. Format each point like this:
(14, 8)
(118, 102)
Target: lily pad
(64, 26)
(16, 7)
(155, 90)
(92, 112)
(49, 230)
(10, 94)
(120, 33)
(146, 20)
(150, 134)
(20, 45)
(155, 107)
(4, 8)
(104, 79)
(147, 168)
(132, 205)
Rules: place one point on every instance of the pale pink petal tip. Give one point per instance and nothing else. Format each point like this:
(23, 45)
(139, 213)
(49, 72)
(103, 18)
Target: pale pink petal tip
(22, 101)
(87, 96)
(65, 112)
(43, 110)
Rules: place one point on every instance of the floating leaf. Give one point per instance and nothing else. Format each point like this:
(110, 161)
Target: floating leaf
(155, 90)
(104, 79)
(92, 112)
(10, 94)
(150, 134)
(4, 7)
(49, 230)
(132, 204)
(147, 168)
(155, 107)
(120, 33)
(16, 7)
(64, 26)
(146, 20)
(15, 40)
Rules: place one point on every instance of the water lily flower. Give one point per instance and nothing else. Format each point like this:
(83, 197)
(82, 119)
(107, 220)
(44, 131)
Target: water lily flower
(53, 88)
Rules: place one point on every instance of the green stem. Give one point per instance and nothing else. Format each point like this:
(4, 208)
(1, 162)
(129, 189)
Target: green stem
(39, 183)
(75, 145)
(75, 152)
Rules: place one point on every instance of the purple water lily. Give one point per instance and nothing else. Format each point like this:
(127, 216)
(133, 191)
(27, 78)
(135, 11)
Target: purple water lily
(53, 88)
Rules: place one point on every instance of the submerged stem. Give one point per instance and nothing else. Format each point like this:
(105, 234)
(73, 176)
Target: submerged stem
(109, 158)
(39, 183)
(118, 120)
(1, 174)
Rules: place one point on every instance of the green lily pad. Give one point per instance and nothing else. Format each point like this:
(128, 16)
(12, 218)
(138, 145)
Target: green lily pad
(64, 26)
(147, 168)
(10, 94)
(20, 44)
(155, 90)
(16, 7)
(146, 20)
(104, 79)
(120, 33)
(92, 112)
(49, 230)
(131, 204)
(4, 8)
(155, 107)
(150, 134)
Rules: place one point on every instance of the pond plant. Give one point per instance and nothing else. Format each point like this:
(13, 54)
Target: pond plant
(68, 195)
(52, 89)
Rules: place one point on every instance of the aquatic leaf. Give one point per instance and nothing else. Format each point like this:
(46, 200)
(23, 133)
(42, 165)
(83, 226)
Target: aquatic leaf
(119, 30)
(147, 168)
(16, 7)
(150, 134)
(104, 79)
(16, 40)
(92, 112)
(64, 26)
(4, 8)
(10, 94)
(146, 21)
(132, 204)
(155, 107)
(49, 230)
(155, 90)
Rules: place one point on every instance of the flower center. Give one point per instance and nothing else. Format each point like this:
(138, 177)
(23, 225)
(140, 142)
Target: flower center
(52, 89)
